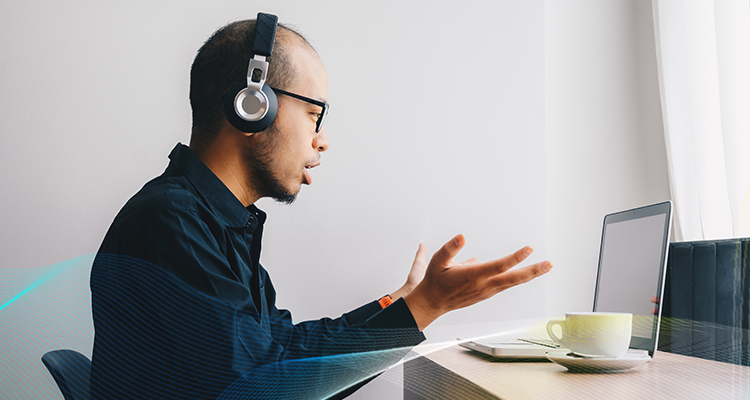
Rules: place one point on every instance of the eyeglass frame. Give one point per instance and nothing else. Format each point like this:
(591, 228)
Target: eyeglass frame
(318, 103)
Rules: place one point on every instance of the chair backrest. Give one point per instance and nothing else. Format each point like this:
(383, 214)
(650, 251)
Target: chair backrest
(71, 371)
(706, 305)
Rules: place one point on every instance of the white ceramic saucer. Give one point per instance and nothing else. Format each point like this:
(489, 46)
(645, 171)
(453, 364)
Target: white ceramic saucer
(575, 363)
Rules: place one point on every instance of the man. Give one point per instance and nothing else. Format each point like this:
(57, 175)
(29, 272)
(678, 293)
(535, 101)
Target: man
(183, 309)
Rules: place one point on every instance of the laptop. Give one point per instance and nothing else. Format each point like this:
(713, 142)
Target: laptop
(632, 269)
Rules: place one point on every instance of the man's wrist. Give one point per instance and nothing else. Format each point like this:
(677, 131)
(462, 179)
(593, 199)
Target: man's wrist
(401, 292)
(423, 312)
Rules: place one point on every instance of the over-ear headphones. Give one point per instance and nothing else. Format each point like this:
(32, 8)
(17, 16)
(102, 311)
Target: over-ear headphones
(251, 106)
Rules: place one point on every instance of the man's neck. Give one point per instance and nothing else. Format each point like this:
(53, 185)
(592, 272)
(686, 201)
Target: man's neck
(225, 161)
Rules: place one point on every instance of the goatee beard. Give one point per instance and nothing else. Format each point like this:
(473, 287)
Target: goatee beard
(259, 159)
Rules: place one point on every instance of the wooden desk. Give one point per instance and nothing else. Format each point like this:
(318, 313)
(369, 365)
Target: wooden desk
(456, 373)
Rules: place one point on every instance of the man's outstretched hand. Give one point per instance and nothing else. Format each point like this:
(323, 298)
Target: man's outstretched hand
(448, 286)
(417, 271)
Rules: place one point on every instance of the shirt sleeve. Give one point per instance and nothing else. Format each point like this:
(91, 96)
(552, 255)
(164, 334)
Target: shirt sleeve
(368, 328)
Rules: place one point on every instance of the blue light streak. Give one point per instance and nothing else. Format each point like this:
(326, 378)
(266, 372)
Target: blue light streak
(33, 285)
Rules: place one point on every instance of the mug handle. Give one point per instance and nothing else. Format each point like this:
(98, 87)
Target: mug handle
(551, 333)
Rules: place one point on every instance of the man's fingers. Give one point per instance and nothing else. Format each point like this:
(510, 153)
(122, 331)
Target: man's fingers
(449, 250)
(469, 261)
(512, 278)
(421, 256)
(501, 265)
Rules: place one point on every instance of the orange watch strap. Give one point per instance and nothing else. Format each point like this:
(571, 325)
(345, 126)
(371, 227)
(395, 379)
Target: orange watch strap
(385, 301)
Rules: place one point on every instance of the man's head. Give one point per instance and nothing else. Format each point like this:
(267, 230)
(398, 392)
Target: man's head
(222, 61)
(271, 163)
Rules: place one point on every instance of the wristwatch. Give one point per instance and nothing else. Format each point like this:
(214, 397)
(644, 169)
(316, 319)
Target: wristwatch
(385, 301)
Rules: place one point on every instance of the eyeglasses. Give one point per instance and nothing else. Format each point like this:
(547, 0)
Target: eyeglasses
(322, 114)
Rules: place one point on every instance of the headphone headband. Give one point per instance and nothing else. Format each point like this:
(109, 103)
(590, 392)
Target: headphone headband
(265, 34)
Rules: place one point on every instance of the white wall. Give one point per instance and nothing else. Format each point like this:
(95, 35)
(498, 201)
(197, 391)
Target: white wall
(437, 127)
(604, 141)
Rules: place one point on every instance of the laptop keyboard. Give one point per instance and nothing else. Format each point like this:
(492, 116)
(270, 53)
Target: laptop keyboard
(542, 342)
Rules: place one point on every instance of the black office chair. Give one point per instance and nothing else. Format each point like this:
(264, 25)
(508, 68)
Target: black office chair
(705, 303)
(71, 371)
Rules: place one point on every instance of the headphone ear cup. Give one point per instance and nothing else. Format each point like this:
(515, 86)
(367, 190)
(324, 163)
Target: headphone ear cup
(245, 123)
(273, 108)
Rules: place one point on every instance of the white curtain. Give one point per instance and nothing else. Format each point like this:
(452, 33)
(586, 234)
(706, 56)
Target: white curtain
(703, 52)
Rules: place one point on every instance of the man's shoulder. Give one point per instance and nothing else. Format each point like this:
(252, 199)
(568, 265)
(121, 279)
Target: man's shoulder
(165, 204)
(164, 194)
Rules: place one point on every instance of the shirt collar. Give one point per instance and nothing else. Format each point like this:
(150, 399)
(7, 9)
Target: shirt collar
(219, 198)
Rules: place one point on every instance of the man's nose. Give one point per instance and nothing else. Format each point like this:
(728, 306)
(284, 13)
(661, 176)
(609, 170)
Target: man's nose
(321, 140)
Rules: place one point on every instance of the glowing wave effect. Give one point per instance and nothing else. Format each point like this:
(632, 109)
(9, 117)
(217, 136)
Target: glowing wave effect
(43, 309)
(167, 328)
(33, 285)
(157, 336)
(172, 331)
(15, 279)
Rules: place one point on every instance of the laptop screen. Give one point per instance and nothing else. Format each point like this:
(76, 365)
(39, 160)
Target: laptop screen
(632, 263)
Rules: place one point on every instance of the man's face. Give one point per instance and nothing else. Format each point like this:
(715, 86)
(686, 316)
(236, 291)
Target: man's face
(281, 156)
